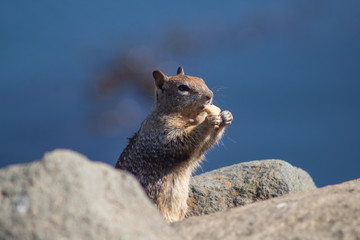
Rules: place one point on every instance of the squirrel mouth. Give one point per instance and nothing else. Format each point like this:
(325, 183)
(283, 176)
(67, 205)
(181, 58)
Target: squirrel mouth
(206, 103)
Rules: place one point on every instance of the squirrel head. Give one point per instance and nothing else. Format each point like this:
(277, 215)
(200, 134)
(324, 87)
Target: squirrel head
(181, 93)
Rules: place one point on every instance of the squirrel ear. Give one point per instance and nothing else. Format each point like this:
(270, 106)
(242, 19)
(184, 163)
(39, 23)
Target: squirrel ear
(160, 78)
(180, 71)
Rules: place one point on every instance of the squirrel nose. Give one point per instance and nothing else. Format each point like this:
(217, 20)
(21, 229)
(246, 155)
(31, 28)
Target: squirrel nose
(209, 95)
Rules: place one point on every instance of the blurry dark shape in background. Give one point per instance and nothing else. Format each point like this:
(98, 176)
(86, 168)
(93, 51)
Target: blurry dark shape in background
(110, 91)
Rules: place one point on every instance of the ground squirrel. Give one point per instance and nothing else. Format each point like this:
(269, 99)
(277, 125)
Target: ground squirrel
(172, 140)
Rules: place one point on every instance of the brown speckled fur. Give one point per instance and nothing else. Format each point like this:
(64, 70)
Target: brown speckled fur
(172, 140)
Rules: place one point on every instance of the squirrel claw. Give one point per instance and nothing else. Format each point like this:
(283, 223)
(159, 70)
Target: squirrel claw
(214, 120)
(217, 120)
(226, 117)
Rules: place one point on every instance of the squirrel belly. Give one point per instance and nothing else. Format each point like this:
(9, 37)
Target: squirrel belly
(172, 141)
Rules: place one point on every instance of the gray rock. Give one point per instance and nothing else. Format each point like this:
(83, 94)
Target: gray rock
(244, 183)
(331, 212)
(65, 196)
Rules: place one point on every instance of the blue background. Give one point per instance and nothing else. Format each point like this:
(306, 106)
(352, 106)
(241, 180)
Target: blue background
(77, 74)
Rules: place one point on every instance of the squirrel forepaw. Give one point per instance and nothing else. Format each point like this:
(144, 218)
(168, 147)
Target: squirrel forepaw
(214, 120)
(220, 120)
(226, 118)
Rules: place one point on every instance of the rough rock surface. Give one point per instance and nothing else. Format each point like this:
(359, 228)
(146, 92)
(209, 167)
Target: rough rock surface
(65, 196)
(331, 212)
(245, 183)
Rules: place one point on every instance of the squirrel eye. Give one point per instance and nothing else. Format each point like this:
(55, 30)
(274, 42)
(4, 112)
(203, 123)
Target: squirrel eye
(183, 88)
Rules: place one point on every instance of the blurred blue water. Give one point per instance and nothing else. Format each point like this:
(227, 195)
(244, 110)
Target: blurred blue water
(288, 70)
